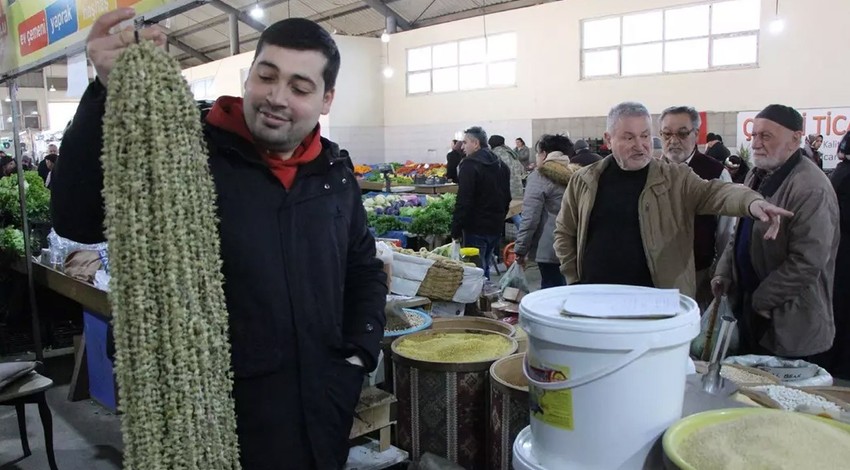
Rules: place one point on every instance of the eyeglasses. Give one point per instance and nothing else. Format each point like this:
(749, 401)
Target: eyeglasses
(681, 135)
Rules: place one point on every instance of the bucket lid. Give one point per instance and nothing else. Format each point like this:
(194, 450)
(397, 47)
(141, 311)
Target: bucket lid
(543, 309)
(523, 456)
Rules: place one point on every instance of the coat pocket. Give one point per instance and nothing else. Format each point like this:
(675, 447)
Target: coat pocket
(343, 382)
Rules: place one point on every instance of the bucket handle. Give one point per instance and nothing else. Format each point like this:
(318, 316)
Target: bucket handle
(579, 381)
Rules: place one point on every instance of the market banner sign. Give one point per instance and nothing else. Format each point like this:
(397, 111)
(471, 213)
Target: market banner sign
(831, 123)
(31, 30)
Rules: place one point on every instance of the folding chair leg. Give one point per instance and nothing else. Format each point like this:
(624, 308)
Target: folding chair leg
(22, 427)
(47, 424)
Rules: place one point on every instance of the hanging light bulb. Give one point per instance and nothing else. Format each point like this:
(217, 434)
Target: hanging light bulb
(385, 37)
(8, 100)
(52, 87)
(388, 71)
(257, 12)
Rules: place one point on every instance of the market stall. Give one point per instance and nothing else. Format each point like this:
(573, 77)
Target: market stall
(410, 177)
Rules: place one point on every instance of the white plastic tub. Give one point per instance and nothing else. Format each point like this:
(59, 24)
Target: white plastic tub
(602, 391)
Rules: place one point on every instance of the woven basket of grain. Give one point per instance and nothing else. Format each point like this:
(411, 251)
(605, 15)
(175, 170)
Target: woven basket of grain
(442, 281)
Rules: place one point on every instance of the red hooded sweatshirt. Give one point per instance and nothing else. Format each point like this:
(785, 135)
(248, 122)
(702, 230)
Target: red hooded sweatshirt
(227, 115)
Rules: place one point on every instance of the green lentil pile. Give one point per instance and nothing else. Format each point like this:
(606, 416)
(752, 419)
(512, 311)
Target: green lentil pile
(171, 329)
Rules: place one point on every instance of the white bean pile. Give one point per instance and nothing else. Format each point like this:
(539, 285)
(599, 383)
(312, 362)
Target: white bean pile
(790, 398)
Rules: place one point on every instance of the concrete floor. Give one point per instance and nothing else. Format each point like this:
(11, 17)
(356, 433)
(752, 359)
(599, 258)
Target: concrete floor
(86, 436)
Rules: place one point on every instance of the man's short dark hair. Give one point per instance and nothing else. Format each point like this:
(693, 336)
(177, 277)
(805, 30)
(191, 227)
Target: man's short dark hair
(555, 143)
(496, 141)
(477, 133)
(51, 157)
(302, 34)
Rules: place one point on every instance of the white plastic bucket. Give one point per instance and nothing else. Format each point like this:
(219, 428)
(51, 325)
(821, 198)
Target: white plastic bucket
(523, 457)
(602, 391)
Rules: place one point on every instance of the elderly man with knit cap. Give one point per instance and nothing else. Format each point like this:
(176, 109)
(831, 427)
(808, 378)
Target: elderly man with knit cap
(782, 290)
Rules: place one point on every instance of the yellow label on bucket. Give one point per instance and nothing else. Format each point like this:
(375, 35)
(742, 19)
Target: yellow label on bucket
(553, 407)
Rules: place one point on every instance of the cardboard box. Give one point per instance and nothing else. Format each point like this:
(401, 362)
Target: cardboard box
(513, 294)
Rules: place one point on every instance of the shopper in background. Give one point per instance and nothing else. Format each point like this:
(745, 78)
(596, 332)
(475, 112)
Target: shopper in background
(840, 353)
(812, 149)
(453, 160)
(43, 167)
(679, 130)
(483, 197)
(630, 218)
(715, 148)
(523, 153)
(737, 167)
(7, 165)
(50, 162)
(782, 290)
(583, 156)
(543, 195)
(304, 290)
(510, 159)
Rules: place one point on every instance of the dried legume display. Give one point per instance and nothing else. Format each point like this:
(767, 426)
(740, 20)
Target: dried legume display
(791, 398)
(171, 330)
(454, 347)
(775, 441)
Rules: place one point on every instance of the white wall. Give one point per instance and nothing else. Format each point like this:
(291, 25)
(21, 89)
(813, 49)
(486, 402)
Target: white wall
(803, 67)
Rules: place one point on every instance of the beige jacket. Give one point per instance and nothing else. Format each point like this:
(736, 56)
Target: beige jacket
(796, 269)
(673, 195)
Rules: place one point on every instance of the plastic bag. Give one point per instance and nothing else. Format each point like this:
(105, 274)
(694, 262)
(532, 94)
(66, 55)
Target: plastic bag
(515, 277)
(455, 253)
(61, 247)
(699, 343)
(786, 369)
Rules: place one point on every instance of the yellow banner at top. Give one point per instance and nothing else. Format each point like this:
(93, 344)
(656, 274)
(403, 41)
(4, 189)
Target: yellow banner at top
(31, 30)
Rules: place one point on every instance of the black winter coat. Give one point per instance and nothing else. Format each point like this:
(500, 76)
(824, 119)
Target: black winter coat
(302, 284)
(483, 197)
(453, 159)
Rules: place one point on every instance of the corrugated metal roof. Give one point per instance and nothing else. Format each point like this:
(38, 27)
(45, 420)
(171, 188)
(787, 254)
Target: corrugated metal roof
(353, 17)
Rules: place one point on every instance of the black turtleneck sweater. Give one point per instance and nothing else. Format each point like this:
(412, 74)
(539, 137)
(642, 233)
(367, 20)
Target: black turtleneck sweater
(613, 253)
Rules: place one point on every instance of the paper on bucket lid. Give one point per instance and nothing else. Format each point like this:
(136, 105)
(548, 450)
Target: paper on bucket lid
(656, 303)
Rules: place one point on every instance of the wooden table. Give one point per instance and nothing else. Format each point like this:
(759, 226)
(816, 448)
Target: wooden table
(92, 299)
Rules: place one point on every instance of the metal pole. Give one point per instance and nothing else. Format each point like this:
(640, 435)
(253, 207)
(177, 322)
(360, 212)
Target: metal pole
(234, 34)
(16, 139)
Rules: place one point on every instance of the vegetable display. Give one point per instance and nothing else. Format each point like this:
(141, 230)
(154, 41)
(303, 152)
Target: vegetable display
(170, 319)
(37, 194)
(431, 215)
(12, 242)
(38, 212)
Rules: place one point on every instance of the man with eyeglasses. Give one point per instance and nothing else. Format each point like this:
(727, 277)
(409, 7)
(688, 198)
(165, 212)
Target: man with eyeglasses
(679, 130)
(782, 291)
(629, 219)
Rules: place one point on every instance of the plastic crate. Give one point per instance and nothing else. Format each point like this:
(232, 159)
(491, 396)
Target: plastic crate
(15, 340)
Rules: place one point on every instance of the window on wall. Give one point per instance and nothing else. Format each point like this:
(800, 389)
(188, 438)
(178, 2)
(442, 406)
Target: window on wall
(470, 64)
(203, 89)
(680, 39)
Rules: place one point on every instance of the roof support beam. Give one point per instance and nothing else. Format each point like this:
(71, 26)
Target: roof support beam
(384, 10)
(243, 17)
(217, 20)
(191, 51)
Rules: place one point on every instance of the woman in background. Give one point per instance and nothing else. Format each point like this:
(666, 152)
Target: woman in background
(540, 206)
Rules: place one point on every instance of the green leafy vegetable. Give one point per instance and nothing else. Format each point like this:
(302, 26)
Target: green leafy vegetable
(12, 242)
(387, 223)
(38, 199)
